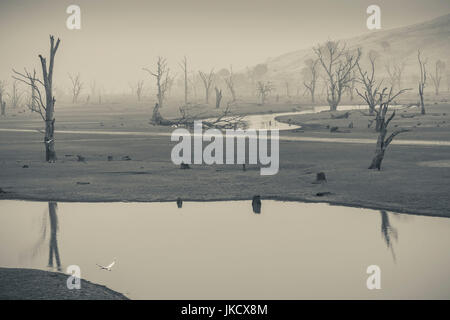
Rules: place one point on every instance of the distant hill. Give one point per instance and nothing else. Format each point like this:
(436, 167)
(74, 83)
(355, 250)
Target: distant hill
(397, 45)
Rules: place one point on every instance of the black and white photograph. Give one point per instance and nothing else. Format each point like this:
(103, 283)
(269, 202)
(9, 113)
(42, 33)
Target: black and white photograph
(245, 150)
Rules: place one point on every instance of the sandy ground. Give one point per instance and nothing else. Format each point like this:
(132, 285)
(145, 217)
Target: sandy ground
(30, 284)
(404, 184)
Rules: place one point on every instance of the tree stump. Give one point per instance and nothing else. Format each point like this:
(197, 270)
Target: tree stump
(184, 166)
(320, 177)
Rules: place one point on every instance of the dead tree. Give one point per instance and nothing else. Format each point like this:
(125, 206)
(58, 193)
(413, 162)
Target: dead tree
(139, 87)
(370, 86)
(31, 104)
(286, 86)
(77, 85)
(162, 76)
(263, 90)
(194, 83)
(225, 121)
(218, 97)
(45, 109)
(15, 96)
(448, 81)
(422, 80)
(437, 76)
(382, 141)
(170, 82)
(93, 89)
(351, 85)
(338, 63)
(100, 91)
(229, 81)
(184, 67)
(207, 80)
(311, 73)
(395, 72)
(2, 94)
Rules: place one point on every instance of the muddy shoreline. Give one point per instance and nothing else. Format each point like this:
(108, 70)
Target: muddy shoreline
(33, 284)
(354, 204)
(403, 185)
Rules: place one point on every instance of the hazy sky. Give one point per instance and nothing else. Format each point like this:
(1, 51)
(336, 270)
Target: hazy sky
(118, 38)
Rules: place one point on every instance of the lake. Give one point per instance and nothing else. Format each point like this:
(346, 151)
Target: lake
(224, 250)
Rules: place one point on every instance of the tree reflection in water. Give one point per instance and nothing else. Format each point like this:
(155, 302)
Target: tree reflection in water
(53, 243)
(388, 232)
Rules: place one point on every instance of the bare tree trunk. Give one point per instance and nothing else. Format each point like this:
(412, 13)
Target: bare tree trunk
(33, 106)
(207, 80)
(2, 103)
(218, 97)
(422, 103)
(49, 139)
(379, 151)
(229, 81)
(185, 71)
(77, 85)
(163, 79)
(383, 123)
(49, 105)
(422, 81)
(338, 64)
(156, 116)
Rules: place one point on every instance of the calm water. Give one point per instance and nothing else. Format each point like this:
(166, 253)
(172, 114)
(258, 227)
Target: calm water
(261, 121)
(214, 250)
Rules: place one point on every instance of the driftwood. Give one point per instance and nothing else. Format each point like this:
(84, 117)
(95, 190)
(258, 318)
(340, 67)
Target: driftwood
(407, 115)
(225, 121)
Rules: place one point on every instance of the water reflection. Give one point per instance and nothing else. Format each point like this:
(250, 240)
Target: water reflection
(53, 243)
(388, 232)
(225, 249)
(256, 204)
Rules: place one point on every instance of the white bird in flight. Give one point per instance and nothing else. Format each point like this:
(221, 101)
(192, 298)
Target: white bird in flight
(108, 267)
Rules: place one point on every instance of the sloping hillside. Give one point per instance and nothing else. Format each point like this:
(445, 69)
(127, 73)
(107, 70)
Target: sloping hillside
(396, 45)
